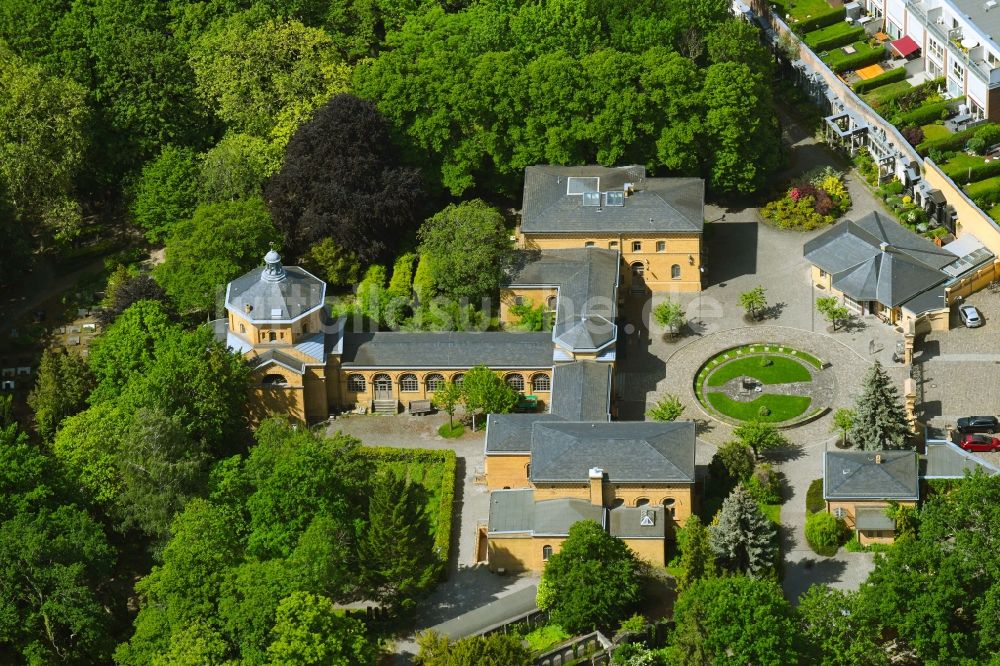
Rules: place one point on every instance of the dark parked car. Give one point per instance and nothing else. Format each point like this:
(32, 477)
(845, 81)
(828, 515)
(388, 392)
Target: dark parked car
(979, 442)
(978, 424)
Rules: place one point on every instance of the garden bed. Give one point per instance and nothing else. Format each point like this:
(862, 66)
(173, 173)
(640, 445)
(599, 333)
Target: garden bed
(840, 61)
(813, 201)
(781, 370)
(779, 407)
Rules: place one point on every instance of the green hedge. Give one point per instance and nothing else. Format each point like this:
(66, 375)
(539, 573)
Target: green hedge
(965, 175)
(866, 55)
(820, 20)
(956, 141)
(814, 497)
(833, 36)
(891, 76)
(927, 113)
(442, 529)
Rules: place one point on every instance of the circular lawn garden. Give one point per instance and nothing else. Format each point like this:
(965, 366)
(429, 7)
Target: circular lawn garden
(765, 382)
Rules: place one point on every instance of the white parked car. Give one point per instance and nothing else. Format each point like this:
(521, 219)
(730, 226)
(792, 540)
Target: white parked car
(970, 316)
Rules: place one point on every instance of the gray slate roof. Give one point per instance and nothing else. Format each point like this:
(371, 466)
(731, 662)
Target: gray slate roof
(873, 519)
(581, 390)
(276, 356)
(517, 511)
(447, 350)
(626, 522)
(656, 205)
(877, 259)
(627, 451)
(856, 475)
(511, 433)
(275, 301)
(947, 461)
(587, 279)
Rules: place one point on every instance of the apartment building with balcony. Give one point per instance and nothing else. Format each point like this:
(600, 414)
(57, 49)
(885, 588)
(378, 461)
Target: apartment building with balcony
(958, 39)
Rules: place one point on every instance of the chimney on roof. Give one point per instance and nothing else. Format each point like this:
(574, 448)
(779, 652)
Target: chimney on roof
(596, 475)
(629, 189)
(247, 308)
(884, 247)
(878, 458)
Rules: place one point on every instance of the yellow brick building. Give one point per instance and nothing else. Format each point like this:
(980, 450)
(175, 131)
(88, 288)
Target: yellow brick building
(859, 485)
(544, 471)
(655, 224)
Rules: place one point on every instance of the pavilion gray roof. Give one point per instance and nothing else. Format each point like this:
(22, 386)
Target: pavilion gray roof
(447, 350)
(587, 279)
(517, 511)
(275, 293)
(877, 259)
(637, 451)
(857, 475)
(511, 433)
(581, 390)
(626, 522)
(947, 461)
(656, 205)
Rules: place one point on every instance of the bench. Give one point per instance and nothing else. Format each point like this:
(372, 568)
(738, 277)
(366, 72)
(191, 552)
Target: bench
(420, 407)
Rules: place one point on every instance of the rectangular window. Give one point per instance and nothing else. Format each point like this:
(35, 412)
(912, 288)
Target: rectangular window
(822, 273)
(935, 48)
(661, 246)
(637, 246)
(519, 300)
(589, 244)
(958, 71)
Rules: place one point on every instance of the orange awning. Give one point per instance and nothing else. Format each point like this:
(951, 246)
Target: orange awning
(870, 71)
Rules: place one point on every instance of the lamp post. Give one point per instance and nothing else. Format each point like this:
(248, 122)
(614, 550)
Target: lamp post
(701, 287)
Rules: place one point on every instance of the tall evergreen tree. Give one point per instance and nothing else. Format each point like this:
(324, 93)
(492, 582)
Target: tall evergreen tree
(398, 549)
(743, 537)
(697, 558)
(64, 382)
(880, 419)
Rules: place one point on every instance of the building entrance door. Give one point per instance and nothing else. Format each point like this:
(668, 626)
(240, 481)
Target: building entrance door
(638, 278)
(383, 387)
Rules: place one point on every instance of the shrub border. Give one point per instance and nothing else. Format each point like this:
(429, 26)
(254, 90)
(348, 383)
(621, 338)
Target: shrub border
(443, 526)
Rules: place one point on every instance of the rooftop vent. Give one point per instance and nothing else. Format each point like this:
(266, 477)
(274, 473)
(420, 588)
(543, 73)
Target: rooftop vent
(878, 459)
(275, 313)
(596, 473)
(247, 308)
(884, 247)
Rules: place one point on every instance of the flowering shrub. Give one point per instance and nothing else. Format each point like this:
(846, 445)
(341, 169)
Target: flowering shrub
(810, 203)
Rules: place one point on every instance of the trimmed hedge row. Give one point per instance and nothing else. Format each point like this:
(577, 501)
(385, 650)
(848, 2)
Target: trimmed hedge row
(925, 114)
(833, 36)
(446, 457)
(890, 76)
(986, 193)
(866, 55)
(820, 20)
(956, 141)
(970, 175)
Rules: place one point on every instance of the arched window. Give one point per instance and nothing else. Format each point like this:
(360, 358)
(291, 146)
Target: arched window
(661, 246)
(434, 382)
(243, 328)
(642, 501)
(408, 383)
(617, 503)
(675, 272)
(668, 504)
(305, 326)
(356, 383)
(515, 381)
(550, 302)
(541, 382)
(546, 553)
(458, 379)
(589, 244)
(274, 379)
(272, 336)
(527, 471)
(613, 245)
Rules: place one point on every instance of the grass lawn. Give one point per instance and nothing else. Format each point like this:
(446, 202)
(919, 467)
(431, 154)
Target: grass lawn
(982, 187)
(449, 432)
(887, 91)
(781, 370)
(783, 407)
(546, 636)
(802, 9)
(934, 131)
(960, 162)
(773, 512)
(994, 212)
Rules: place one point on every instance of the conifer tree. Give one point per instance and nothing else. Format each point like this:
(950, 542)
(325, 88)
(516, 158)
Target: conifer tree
(880, 419)
(697, 558)
(743, 538)
(398, 549)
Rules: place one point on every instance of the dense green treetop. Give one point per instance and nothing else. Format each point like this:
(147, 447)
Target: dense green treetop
(592, 582)
(167, 192)
(217, 244)
(308, 630)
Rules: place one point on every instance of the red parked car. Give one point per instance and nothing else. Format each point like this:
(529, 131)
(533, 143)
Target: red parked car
(979, 442)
